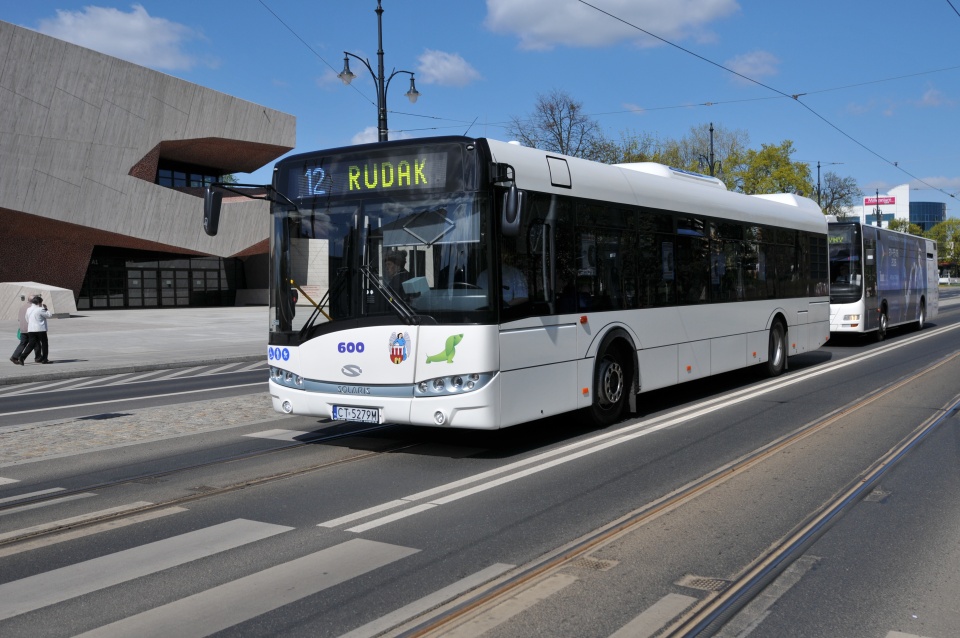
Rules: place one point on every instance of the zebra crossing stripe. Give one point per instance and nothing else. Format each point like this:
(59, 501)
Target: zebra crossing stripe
(53, 501)
(427, 603)
(277, 435)
(232, 603)
(34, 592)
(73, 520)
(20, 497)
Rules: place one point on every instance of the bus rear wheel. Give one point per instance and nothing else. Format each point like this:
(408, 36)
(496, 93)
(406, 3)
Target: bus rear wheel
(921, 316)
(610, 388)
(777, 350)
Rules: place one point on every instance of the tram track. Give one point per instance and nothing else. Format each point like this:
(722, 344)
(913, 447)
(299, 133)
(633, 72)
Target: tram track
(207, 493)
(708, 615)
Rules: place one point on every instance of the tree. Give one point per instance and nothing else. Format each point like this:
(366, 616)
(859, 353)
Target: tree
(838, 194)
(691, 152)
(947, 236)
(770, 170)
(558, 124)
(904, 226)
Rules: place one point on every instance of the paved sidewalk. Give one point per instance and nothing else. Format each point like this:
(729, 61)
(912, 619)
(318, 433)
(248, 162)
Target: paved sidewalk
(103, 342)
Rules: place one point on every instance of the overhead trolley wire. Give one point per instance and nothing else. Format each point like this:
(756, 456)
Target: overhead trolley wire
(795, 96)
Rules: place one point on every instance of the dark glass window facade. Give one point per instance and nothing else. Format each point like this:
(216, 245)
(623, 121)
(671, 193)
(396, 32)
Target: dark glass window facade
(123, 278)
(926, 215)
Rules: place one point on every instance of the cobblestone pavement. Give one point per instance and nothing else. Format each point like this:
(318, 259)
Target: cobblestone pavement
(65, 437)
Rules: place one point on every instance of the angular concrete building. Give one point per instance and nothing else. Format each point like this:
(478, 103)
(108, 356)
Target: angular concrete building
(102, 168)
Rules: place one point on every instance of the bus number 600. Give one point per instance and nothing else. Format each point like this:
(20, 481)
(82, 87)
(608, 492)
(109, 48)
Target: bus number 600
(350, 347)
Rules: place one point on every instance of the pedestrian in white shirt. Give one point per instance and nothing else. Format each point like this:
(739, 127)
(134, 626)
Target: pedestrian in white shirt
(37, 316)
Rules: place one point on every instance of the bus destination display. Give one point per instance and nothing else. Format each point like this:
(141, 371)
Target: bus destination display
(384, 174)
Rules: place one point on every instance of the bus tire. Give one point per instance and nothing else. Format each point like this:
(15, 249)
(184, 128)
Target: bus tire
(881, 333)
(611, 386)
(777, 350)
(921, 316)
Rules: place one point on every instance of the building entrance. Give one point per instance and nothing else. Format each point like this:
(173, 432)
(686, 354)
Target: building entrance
(122, 278)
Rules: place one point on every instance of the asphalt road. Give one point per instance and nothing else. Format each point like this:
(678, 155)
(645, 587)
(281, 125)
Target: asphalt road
(270, 525)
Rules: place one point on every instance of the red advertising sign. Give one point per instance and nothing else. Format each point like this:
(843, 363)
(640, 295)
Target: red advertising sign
(879, 201)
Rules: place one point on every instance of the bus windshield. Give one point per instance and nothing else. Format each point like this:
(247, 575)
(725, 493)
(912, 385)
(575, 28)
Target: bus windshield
(846, 266)
(378, 259)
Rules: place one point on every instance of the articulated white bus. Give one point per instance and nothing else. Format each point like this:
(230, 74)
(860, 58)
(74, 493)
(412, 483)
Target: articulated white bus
(471, 283)
(880, 278)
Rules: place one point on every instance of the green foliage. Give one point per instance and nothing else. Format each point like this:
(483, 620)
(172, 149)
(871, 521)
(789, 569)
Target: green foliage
(947, 236)
(770, 170)
(904, 226)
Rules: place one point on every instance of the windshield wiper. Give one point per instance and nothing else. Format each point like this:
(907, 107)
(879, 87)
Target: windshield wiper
(335, 288)
(404, 311)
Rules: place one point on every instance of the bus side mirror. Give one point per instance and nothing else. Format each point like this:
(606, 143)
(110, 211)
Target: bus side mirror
(211, 210)
(510, 218)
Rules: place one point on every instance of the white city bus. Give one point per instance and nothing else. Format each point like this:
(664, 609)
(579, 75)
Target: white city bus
(880, 278)
(471, 283)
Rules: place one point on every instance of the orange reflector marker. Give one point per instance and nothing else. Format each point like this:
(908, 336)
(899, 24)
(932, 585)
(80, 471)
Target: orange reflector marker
(754, 354)
(583, 319)
(586, 391)
(689, 368)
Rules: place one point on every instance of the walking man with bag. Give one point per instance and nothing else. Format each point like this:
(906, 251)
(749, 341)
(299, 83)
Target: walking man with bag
(24, 332)
(37, 315)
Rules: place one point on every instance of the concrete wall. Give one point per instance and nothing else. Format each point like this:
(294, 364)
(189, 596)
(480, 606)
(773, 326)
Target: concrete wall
(80, 137)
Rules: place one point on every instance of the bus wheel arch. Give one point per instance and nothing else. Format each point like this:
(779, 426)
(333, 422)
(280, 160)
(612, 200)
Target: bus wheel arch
(882, 326)
(776, 347)
(615, 378)
(921, 314)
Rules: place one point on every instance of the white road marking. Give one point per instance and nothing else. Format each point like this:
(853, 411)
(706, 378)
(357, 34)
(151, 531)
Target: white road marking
(277, 435)
(20, 497)
(607, 440)
(232, 603)
(53, 501)
(152, 396)
(429, 602)
(511, 607)
(44, 527)
(7, 481)
(396, 516)
(655, 617)
(70, 535)
(179, 373)
(34, 592)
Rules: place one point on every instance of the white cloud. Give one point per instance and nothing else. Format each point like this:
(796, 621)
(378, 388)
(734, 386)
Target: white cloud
(544, 24)
(934, 98)
(136, 36)
(445, 69)
(754, 65)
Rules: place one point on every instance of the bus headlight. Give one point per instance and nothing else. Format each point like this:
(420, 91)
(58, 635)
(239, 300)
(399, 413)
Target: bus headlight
(453, 384)
(851, 317)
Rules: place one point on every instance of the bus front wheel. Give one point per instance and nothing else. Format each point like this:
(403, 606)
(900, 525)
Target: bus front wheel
(777, 355)
(881, 333)
(610, 388)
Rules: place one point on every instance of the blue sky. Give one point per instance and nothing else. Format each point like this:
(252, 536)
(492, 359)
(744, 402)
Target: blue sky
(878, 82)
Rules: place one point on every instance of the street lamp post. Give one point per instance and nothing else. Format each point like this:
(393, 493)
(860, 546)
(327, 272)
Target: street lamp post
(703, 159)
(382, 84)
(876, 211)
(818, 177)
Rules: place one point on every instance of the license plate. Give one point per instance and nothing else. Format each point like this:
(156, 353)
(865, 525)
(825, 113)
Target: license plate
(362, 415)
